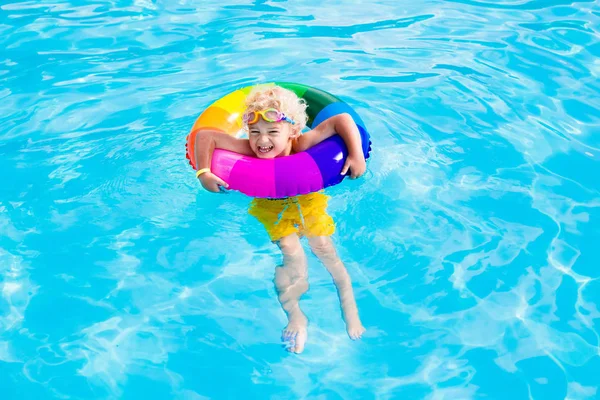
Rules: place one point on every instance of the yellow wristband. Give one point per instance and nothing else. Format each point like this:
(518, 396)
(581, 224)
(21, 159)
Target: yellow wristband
(201, 171)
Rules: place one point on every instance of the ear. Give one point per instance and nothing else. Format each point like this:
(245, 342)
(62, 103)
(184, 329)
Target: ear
(295, 132)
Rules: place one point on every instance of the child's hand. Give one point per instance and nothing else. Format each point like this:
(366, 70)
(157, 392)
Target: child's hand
(211, 182)
(356, 164)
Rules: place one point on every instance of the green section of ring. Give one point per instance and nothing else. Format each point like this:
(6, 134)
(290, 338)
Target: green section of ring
(316, 99)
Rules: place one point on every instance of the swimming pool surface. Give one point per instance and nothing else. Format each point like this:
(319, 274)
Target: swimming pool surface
(472, 242)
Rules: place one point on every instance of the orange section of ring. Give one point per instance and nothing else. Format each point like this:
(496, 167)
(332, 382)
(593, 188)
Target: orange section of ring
(214, 118)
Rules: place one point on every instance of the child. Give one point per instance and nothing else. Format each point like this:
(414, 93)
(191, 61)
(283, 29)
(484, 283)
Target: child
(275, 118)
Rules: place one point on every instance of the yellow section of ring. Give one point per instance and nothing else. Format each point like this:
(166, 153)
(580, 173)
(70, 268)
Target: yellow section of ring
(234, 102)
(218, 118)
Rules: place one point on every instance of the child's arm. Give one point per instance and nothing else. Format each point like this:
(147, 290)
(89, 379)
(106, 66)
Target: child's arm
(206, 142)
(343, 125)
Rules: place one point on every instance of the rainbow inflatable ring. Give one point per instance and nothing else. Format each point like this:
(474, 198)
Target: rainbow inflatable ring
(300, 173)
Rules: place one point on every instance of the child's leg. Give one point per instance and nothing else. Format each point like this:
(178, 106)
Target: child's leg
(323, 248)
(291, 282)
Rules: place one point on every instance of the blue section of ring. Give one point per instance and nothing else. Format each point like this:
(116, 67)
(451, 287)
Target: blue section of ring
(335, 109)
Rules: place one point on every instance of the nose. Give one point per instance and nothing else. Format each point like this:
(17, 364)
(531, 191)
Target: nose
(262, 140)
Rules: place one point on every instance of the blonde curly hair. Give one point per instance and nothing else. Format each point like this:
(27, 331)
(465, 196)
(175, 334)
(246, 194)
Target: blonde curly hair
(284, 100)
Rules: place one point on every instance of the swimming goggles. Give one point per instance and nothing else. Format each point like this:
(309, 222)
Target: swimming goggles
(269, 115)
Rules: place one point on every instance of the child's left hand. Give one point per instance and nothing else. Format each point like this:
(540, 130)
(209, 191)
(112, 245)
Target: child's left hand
(356, 164)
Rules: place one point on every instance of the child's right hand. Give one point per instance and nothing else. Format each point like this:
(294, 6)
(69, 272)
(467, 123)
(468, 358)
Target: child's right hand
(211, 182)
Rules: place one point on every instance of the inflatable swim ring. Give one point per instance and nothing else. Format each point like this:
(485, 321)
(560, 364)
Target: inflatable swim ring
(300, 173)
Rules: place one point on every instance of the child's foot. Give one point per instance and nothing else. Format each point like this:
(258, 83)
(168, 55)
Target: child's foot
(294, 335)
(355, 329)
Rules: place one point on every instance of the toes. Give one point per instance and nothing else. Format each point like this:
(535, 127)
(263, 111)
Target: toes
(293, 347)
(294, 338)
(293, 341)
(289, 334)
(354, 335)
(289, 343)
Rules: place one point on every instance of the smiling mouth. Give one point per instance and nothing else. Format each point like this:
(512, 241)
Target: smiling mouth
(264, 149)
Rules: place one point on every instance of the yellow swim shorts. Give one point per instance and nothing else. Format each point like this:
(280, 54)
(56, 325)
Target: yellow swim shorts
(305, 214)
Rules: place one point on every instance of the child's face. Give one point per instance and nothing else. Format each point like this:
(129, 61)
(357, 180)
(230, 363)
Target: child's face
(270, 139)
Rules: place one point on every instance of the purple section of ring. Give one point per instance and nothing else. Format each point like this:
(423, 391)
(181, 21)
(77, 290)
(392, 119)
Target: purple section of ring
(296, 174)
(330, 156)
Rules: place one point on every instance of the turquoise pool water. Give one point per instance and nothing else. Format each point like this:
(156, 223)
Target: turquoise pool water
(472, 242)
